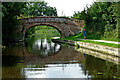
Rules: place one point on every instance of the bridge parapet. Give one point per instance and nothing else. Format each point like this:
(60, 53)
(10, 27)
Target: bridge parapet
(49, 20)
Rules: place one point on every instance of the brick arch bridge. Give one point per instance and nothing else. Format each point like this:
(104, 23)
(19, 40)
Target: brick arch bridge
(66, 26)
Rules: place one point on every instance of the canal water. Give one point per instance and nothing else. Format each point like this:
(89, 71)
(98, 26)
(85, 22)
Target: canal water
(43, 58)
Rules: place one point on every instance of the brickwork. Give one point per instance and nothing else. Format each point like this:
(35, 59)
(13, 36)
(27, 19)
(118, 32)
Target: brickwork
(66, 26)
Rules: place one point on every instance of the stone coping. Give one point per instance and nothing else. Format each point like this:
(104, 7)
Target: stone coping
(101, 48)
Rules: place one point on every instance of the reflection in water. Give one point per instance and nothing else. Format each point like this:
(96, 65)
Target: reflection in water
(100, 55)
(55, 71)
(41, 46)
(45, 59)
(12, 60)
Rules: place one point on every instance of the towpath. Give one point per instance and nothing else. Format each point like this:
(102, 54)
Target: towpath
(114, 42)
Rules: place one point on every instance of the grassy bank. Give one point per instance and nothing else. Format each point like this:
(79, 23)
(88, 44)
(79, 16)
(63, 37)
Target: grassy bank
(77, 38)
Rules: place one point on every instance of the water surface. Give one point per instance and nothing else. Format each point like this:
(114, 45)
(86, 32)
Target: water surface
(43, 58)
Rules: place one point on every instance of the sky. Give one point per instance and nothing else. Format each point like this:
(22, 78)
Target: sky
(67, 7)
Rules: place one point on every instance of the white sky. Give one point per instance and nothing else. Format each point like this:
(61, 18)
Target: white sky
(68, 6)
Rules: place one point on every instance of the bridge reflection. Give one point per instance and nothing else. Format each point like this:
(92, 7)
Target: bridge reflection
(45, 53)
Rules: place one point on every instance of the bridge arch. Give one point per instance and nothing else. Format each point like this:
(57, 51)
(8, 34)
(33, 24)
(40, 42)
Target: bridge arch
(41, 24)
(66, 26)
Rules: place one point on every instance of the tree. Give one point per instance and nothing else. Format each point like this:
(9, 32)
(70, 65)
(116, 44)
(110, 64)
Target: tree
(10, 12)
(101, 20)
(40, 9)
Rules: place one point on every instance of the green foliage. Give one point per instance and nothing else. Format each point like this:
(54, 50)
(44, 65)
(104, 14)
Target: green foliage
(101, 20)
(39, 9)
(10, 11)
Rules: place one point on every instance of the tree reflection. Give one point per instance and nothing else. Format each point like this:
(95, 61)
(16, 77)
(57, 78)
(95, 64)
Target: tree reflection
(98, 68)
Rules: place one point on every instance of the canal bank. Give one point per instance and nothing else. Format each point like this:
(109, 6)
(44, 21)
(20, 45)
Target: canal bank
(104, 52)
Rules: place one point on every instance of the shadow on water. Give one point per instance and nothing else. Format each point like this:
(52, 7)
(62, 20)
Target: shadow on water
(10, 60)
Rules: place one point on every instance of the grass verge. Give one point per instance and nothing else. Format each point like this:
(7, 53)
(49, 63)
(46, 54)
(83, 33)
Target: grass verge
(73, 38)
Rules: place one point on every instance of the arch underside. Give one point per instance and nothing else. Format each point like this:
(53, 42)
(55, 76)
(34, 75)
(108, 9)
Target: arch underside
(65, 30)
(41, 24)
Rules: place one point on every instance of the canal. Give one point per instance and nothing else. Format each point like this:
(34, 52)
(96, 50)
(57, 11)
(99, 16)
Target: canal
(43, 58)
